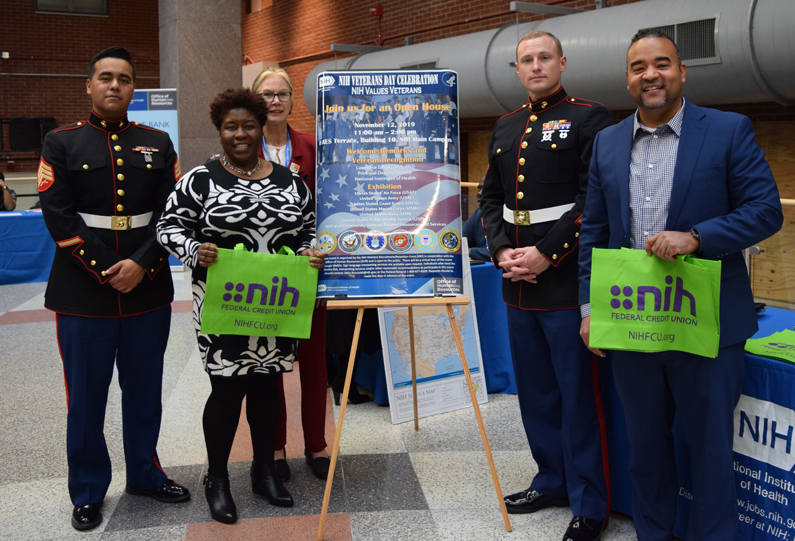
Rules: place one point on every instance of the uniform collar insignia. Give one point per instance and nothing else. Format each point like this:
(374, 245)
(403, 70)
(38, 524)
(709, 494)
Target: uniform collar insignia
(107, 125)
(548, 102)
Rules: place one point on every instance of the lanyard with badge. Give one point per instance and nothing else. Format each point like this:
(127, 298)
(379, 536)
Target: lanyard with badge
(287, 150)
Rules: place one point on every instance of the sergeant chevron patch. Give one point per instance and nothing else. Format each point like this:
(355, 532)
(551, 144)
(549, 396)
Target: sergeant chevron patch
(45, 177)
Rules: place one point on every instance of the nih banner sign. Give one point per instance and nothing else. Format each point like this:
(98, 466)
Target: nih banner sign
(764, 468)
(157, 108)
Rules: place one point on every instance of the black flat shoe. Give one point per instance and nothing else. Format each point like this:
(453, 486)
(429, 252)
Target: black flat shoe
(86, 517)
(219, 498)
(168, 492)
(585, 529)
(264, 482)
(319, 465)
(530, 501)
(282, 468)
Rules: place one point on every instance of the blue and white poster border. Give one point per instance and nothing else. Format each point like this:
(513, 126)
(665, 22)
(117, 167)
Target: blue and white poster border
(388, 186)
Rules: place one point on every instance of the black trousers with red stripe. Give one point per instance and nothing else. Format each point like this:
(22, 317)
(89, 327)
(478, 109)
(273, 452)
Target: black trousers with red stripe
(90, 347)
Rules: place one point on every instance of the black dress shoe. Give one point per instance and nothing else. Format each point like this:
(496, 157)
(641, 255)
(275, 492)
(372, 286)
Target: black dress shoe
(86, 517)
(530, 501)
(168, 492)
(282, 468)
(584, 529)
(219, 498)
(265, 483)
(320, 465)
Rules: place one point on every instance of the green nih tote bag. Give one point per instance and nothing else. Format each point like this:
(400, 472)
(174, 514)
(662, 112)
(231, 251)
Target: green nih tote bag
(780, 345)
(255, 294)
(645, 303)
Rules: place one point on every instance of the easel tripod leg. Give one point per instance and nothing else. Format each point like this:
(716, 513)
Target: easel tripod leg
(338, 434)
(413, 368)
(476, 407)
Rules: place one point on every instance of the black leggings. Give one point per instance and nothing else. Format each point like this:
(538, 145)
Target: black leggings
(222, 414)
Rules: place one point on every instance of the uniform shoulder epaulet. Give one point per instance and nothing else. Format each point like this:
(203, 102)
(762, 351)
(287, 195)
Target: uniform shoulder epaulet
(145, 127)
(582, 101)
(513, 112)
(72, 126)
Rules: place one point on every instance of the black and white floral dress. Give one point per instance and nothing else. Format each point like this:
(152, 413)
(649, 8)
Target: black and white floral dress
(210, 204)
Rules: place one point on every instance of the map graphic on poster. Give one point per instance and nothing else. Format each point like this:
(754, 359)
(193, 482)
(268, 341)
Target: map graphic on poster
(441, 382)
(435, 350)
(388, 183)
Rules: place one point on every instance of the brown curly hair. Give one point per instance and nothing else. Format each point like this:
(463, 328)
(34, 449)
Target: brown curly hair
(238, 98)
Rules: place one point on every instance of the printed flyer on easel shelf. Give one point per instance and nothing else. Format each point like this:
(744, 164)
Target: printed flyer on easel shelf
(388, 183)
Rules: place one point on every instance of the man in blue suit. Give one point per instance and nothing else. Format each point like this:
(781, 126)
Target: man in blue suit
(675, 178)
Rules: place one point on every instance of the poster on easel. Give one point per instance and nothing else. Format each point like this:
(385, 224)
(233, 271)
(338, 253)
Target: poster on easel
(441, 383)
(389, 184)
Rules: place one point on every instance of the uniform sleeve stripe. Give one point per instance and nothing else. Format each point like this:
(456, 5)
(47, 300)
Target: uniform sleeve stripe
(69, 242)
(177, 171)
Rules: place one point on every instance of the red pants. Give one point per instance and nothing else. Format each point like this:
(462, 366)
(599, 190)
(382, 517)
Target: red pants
(314, 387)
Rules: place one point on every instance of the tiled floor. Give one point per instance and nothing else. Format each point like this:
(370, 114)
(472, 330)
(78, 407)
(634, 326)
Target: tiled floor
(391, 482)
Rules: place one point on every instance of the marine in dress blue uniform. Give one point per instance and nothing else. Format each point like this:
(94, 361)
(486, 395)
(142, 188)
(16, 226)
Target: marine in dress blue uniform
(103, 184)
(533, 196)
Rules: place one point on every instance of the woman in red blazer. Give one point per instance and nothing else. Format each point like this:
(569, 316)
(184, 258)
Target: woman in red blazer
(296, 151)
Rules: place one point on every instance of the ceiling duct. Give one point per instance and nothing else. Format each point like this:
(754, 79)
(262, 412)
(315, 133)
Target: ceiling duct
(737, 51)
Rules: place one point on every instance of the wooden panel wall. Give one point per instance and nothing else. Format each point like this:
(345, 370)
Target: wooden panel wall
(773, 270)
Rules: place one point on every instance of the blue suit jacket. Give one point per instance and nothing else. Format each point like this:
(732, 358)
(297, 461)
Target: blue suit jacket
(722, 186)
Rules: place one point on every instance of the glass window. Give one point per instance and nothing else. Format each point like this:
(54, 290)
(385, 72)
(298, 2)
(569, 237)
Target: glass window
(83, 7)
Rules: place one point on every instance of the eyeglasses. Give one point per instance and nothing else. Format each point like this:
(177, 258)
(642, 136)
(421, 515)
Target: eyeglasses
(283, 96)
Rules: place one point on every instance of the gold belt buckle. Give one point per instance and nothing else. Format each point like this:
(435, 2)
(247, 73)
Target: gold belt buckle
(120, 223)
(521, 217)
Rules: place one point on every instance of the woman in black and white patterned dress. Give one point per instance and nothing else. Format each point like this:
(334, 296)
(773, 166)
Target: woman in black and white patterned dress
(239, 199)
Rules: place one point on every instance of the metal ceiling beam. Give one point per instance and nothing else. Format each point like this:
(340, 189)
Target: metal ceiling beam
(529, 7)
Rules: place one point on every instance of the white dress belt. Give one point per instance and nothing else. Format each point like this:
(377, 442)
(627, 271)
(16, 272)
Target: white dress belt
(529, 217)
(116, 223)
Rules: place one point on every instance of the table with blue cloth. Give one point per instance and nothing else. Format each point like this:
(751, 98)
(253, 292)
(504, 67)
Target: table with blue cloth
(26, 248)
(765, 492)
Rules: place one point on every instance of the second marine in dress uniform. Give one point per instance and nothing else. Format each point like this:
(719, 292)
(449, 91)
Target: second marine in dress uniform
(533, 196)
(103, 184)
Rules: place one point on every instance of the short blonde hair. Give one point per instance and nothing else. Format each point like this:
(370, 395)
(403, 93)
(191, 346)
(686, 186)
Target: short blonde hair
(539, 34)
(267, 72)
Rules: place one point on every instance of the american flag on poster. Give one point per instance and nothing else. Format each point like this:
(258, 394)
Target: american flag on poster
(388, 184)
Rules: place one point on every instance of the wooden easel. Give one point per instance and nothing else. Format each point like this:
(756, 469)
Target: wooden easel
(410, 303)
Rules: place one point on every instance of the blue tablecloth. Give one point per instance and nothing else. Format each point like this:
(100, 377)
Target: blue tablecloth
(26, 248)
(493, 328)
(772, 383)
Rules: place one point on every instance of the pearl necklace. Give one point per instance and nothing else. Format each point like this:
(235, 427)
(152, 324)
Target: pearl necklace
(237, 169)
